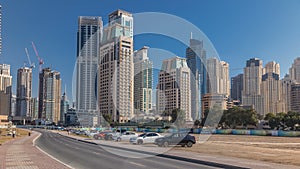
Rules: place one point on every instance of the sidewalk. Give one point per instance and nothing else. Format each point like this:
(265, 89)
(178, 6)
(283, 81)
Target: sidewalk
(241, 162)
(20, 153)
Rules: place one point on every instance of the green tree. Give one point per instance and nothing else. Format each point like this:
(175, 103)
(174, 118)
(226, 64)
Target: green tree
(238, 117)
(197, 123)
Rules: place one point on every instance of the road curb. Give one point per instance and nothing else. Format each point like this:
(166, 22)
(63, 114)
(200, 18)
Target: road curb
(196, 161)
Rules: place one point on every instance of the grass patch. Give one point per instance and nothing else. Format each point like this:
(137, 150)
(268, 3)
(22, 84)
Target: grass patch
(4, 137)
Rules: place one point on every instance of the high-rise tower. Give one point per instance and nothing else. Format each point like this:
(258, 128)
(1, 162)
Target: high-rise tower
(5, 89)
(252, 81)
(24, 92)
(116, 69)
(295, 70)
(173, 88)
(196, 60)
(143, 79)
(271, 88)
(88, 43)
(49, 96)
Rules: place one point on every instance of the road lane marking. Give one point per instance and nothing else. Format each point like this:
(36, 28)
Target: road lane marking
(138, 164)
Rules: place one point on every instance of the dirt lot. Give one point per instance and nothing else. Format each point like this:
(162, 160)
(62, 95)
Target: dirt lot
(284, 150)
(4, 137)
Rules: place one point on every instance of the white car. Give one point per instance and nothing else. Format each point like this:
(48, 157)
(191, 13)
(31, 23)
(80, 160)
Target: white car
(145, 138)
(125, 136)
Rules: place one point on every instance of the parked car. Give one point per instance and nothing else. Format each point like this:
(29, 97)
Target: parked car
(112, 135)
(92, 133)
(182, 139)
(125, 136)
(101, 135)
(145, 138)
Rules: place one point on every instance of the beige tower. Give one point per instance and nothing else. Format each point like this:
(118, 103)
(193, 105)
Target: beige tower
(218, 77)
(295, 70)
(116, 69)
(49, 96)
(285, 92)
(5, 89)
(24, 92)
(271, 88)
(173, 89)
(251, 95)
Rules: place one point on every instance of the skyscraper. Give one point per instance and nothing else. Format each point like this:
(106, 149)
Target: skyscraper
(88, 43)
(295, 70)
(5, 78)
(5, 89)
(34, 108)
(295, 97)
(49, 96)
(251, 95)
(116, 69)
(196, 60)
(237, 87)
(64, 106)
(271, 88)
(143, 79)
(0, 30)
(173, 88)
(218, 81)
(225, 79)
(24, 92)
(285, 93)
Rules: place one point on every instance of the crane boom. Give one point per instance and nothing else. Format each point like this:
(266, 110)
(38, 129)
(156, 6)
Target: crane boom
(28, 57)
(37, 55)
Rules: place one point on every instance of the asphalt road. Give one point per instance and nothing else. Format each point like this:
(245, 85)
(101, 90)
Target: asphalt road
(81, 155)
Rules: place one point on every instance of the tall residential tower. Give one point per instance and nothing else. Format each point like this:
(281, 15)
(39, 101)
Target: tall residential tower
(143, 79)
(173, 88)
(196, 60)
(252, 81)
(24, 92)
(88, 43)
(116, 69)
(49, 96)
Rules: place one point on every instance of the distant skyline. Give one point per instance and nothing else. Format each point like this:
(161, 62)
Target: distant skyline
(239, 30)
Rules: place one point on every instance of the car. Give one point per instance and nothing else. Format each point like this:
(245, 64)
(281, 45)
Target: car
(125, 136)
(92, 133)
(101, 135)
(182, 139)
(145, 138)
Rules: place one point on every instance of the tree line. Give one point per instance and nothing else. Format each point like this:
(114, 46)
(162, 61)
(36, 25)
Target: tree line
(237, 117)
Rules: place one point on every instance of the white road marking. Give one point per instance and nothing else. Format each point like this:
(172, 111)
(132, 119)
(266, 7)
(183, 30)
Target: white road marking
(138, 164)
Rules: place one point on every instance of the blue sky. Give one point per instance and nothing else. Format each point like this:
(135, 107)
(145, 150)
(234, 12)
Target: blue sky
(239, 30)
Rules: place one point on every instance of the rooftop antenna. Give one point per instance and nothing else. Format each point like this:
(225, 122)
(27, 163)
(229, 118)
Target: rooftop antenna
(191, 35)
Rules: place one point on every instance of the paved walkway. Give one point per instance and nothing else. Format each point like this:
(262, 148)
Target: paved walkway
(20, 153)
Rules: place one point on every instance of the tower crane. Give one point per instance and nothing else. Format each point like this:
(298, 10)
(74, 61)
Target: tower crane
(31, 65)
(41, 62)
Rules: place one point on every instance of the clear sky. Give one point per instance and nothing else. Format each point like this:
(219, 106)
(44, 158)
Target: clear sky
(239, 30)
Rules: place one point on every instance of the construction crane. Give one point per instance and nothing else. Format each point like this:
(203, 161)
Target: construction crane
(39, 58)
(31, 65)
